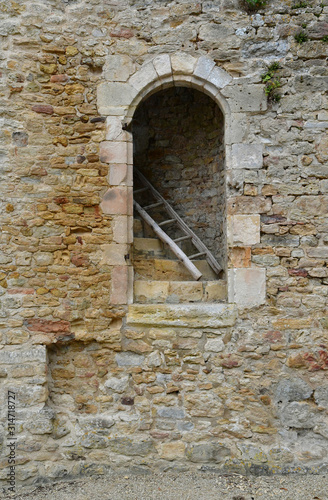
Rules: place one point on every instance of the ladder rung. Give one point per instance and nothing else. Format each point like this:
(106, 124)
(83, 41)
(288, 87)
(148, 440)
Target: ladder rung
(196, 255)
(153, 205)
(183, 238)
(141, 190)
(169, 221)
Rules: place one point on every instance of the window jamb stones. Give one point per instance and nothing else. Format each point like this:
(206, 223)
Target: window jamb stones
(118, 101)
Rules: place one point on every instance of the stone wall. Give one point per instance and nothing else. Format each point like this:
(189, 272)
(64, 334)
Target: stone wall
(99, 384)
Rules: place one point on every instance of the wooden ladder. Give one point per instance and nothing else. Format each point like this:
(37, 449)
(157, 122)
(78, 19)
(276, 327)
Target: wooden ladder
(202, 250)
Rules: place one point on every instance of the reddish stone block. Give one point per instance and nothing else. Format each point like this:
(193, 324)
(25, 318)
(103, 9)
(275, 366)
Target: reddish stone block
(229, 361)
(274, 337)
(43, 108)
(122, 33)
(313, 361)
(113, 152)
(118, 201)
(61, 200)
(24, 291)
(119, 290)
(240, 257)
(48, 326)
(79, 260)
(298, 272)
(58, 78)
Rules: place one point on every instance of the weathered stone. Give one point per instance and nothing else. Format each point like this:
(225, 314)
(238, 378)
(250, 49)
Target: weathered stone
(204, 67)
(245, 98)
(162, 65)
(247, 156)
(182, 63)
(294, 389)
(92, 440)
(43, 108)
(321, 396)
(144, 76)
(240, 257)
(20, 139)
(114, 94)
(99, 424)
(207, 452)
(41, 423)
(247, 287)
(48, 326)
(244, 229)
(118, 68)
(171, 412)
(37, 354)
(298, 415)
(172, 451)
(120, 285)
(249, 205)
(214, 345)
(129, 359)
(90, 91)
(292, 323)
(129, 447)
(116, 201)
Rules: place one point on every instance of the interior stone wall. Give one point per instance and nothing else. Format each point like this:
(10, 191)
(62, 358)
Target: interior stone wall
(240, 387)
(178, 138)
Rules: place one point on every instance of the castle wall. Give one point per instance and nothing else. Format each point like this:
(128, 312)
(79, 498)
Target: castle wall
(99, 384)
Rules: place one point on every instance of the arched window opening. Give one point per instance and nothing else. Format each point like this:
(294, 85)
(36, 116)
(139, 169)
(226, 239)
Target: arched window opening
(178, 137)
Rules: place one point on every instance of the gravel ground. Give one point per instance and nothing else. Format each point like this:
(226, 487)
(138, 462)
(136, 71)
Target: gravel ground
(183, 486)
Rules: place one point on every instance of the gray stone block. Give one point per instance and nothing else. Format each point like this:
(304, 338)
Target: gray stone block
(117, 384)
(99, 425)
(281, 241)
(42, 422)
(92, 440)
(219, 77)
(189, 315)
(203, 67)
(207, 452)
(298, 415)
(321, 396)
(247, 97)
(292, 390)
(24, 355)
(129, 359)
(130, 447)
(114, 94)
(171, 412)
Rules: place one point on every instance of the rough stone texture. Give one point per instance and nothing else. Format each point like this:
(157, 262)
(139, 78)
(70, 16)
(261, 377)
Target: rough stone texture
(247, 286)
(241, 386)
(244, 230)
(192, 316)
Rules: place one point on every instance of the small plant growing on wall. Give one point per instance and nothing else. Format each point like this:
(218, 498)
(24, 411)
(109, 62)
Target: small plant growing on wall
(272, 82)
(253, 5)
(300, 5)
(301, 37)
